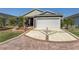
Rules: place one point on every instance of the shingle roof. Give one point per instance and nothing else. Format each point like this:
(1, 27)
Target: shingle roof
(48, 14)
(42, 13)
(73, 16)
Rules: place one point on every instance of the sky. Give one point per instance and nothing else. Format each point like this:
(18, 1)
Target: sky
(21, 11)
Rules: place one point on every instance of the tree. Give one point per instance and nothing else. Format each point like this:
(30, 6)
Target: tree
(12, 21)
(68, 22)
(71, 21)
(21, 21)
(2, 22)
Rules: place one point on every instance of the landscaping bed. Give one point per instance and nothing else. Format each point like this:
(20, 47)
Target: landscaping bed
(8, 34)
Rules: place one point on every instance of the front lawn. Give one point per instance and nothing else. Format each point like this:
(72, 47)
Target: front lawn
(75, 31)
(5, 35)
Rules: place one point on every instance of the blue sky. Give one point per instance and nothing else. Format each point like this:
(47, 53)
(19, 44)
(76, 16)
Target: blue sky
(21, 11)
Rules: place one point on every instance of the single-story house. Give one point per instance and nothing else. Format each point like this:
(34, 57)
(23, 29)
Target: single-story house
(41, 19)
(75, 18)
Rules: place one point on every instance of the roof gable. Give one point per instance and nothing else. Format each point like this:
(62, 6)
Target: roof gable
(48, 14)
(33, 13)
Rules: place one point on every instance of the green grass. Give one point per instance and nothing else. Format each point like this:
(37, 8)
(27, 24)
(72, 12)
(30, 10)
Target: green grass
(75, 31)
(5, 35)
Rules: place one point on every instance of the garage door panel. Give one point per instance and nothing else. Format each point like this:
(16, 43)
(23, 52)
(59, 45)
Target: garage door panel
(44, 23)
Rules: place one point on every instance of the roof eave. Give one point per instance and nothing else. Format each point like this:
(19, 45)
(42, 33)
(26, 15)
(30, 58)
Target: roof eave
(48, 16)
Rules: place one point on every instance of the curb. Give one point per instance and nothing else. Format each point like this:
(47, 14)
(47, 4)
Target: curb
(12, 39)
(72, 34)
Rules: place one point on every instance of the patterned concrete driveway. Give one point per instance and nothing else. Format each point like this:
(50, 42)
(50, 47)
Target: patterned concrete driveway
(25, 43)
(54, 35)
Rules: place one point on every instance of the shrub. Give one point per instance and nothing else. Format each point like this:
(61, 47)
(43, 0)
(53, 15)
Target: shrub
(20, 22)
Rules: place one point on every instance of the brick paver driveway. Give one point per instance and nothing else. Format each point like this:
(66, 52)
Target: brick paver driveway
(25, 43)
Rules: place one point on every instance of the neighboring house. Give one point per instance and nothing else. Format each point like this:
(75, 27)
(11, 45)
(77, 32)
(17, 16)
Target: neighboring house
(41, 19)
(75, 18)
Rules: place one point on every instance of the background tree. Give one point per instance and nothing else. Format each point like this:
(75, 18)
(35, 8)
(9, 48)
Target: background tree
(71, 21)
(12, 21)
(2, 22)
(21, 21)
(68, 23)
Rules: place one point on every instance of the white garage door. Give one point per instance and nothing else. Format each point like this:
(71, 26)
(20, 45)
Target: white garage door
(48, 22)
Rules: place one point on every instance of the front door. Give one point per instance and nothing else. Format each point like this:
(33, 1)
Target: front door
(31, 22)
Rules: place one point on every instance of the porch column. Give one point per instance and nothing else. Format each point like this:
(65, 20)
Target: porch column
(34, 23)
(25, 23)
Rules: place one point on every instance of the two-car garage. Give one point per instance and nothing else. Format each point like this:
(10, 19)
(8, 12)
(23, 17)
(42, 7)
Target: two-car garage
(47, 22)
